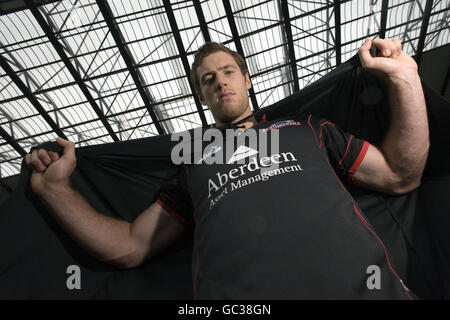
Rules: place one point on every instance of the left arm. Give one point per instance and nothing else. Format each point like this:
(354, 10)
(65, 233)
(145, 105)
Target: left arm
(396, 166)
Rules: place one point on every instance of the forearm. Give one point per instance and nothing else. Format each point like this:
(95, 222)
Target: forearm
(105, 238)
(407, 141)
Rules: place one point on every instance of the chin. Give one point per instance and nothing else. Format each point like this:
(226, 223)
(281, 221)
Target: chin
(226, 119)
(226, 115)
(229, 112)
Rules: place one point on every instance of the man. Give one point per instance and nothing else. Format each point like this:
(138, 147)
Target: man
(247, 245)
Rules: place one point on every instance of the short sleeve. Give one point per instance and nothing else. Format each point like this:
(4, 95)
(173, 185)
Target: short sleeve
(174, 197)
(345, 151)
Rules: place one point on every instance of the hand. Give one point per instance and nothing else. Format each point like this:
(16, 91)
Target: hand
(49, 170)
(390, 63)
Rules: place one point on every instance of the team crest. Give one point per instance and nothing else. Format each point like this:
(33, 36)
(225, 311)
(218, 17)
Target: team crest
(282, 124)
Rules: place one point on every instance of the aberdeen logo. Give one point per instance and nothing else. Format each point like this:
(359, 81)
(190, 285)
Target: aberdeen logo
(258, 170)
(241, 153)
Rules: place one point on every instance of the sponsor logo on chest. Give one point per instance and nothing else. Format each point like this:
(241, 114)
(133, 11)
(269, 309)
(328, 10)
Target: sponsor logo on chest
(281, 124)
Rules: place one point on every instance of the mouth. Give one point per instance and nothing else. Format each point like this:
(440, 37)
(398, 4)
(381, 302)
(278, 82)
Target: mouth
(225, 95)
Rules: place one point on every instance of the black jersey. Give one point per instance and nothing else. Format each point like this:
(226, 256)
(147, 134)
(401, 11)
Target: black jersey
(282, 225)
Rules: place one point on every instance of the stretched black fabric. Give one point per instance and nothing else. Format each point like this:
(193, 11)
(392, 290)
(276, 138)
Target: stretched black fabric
(122, 179)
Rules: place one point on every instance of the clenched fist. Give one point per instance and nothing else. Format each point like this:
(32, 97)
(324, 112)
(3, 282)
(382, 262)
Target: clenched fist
(391, 62)
(49, 170)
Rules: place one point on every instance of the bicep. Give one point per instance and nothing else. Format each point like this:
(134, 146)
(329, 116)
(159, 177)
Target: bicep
(154, 230)
(375, 173)
(361, 162)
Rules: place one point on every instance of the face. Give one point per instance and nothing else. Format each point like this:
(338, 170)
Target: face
(223, 87)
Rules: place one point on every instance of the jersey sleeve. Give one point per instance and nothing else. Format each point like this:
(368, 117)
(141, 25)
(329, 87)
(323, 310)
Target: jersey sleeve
(345, 151)
(174, 197)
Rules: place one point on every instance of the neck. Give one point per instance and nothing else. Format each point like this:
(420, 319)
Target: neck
(245, 124)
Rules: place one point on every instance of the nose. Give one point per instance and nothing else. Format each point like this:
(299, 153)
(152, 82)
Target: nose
(221, 81)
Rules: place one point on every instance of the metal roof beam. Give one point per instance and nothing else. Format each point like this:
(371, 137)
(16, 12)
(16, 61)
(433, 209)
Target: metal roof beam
(130, 63)
(45, 96)
(423, 30)
(245, 28)
(201, 20)
(10, 6)
(181, 50)
(59, 49)
(337, 31)
(237, 41)
(288, 87)
(5, 135)
(27, 93)
(383, 21)
(290, 42)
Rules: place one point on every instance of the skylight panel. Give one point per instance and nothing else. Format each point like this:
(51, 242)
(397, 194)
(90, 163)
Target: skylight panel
(361, 21)
(8, 88)
(19, 27)
(122, 102)
(10, 160)
(17, 109)
(159, 84)
(250, 16)
(47, 77)
(28, 126)
(314, 67)
(217, 22)
(438, 29)
(90, 131)
(30, 141)
(182, 114)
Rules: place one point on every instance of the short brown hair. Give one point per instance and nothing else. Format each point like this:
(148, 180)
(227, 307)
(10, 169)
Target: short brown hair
(210, 48)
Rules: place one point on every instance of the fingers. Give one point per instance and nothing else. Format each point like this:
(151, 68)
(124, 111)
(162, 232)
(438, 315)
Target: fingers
(364, 53)
(389, 48)
(53, 155)
(398, 44)
(68, 150)
(68, 146)
(28, 159)
(40, 159)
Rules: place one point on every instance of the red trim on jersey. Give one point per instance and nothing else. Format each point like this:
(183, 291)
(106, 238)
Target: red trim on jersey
(366, 224)
(358, 161)
(321, 130)
(172, 212)
(317, 140)
(264, 118)
(320, 137)
(327, 122)
(196, 268)
(346, 151)
(384, 248)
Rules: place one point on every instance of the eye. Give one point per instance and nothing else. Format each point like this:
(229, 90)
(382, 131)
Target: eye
(208, 80)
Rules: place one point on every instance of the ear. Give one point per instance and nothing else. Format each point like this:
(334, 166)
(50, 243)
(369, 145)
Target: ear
(247, 81)
(201, 98)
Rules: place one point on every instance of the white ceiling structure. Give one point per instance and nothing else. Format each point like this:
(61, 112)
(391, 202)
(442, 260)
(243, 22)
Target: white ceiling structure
(102, 71)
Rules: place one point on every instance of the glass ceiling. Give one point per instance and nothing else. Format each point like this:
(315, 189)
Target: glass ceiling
(102, 71)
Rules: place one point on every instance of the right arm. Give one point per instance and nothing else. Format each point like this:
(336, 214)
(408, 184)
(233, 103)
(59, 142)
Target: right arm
(118, 242)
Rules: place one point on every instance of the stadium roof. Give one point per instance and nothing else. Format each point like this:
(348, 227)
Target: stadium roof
(102, 71)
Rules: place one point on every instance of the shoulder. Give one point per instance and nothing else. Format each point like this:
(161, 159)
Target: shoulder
(303, 117)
